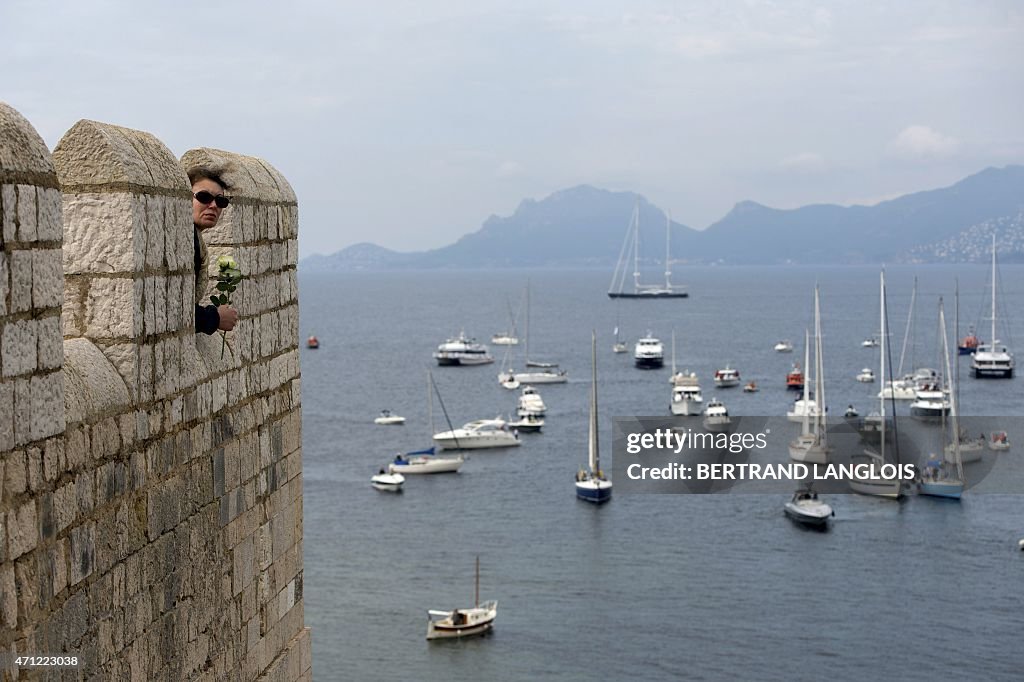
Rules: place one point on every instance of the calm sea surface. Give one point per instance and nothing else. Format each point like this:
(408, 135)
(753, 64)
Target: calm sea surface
(652, 587)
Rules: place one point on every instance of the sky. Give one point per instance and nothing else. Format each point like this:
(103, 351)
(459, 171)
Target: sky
(408, 123)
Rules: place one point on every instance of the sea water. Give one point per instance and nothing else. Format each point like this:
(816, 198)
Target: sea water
(652, 587)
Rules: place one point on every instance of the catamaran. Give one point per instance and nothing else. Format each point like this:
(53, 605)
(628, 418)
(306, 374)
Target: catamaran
(631, 248)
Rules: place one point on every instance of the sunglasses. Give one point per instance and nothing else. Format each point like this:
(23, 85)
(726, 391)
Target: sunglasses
(205, 197)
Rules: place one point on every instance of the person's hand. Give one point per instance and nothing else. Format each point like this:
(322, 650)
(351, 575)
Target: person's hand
(228, 318)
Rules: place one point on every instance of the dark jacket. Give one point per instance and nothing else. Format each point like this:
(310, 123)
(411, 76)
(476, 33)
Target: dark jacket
(207, 317)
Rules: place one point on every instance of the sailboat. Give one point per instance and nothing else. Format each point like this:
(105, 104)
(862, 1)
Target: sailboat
(631, 248)
(872, 483)
(619, 346)
(591, 483)
(548, 373)
(937, 479)
(509, 338)
(905, 386)
(993, 359)
(812, 444)
(426, 460)
(477, 620)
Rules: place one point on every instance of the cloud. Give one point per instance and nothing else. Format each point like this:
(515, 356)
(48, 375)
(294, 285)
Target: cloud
(509, 169)
(806, 162)
(921, 142)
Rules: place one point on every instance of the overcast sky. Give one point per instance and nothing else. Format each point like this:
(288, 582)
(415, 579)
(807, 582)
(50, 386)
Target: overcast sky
(408, 123)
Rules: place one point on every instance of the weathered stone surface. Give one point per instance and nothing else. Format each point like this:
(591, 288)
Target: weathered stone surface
(94, 386)
(18, 347)
(21, 147)
(47, 279)
(94, 153)
(22, 531)
(100, 233)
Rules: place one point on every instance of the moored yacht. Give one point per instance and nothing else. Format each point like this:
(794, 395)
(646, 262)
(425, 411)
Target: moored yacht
(530, 403)
(462, 350)
(481, 433)
(686, 399)
(993, 359)
(727, 377)
(649, 353)
(716, 416)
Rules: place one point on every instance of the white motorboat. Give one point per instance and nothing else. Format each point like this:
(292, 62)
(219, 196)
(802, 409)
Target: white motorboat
(866, 376)
(851, 412)
(528, 424)
(806, 508)
(505, 339)
(461, 351)
(388, 419)
(631, 251)
(999, 441)
(930, 402)
(591, 483)
(898, 389)
(477, 620)
(649, 353)
(387, 482)
(727, 377)
(686, 399)
(870, 342)
(424, 462)
(993, 359)
(750, 387)
(530, 403)
(477, 434)
(784, 347)
(716, 416)
(803, 408)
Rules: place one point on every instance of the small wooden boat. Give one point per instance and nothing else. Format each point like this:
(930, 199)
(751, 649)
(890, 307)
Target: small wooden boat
(312, 343)
(477, 620)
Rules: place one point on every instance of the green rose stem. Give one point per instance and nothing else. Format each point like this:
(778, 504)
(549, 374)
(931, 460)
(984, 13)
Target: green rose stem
(228, 278)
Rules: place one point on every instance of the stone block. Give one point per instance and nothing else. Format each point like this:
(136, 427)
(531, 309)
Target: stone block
(110, 309)
(8, 596)
(27, 213)
(155, 229)
(47, 279)
(22, 530)
(100, 233)
(9, 208)
(47, 395)
(6, 415)
(50, 227)
(83, 552)
(21, 280)
(19, 347)
(50, 344)
(5, 281)
(22, 413)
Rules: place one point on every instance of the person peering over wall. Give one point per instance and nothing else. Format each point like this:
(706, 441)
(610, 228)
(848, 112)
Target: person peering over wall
(208, 202)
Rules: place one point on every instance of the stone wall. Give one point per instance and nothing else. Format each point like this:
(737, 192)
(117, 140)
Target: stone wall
(150, 487)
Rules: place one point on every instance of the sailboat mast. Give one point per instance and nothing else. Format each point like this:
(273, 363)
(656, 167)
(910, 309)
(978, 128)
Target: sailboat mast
(993, 337)
(526, 344)
(881, 355)
(668, 251)
(819, 367)
(476, 591)
(636, 247)
(805, 429)
(594, 453)
(953, 419)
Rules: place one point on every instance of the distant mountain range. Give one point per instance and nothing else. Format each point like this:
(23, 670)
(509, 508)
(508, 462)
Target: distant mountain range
(584, 227)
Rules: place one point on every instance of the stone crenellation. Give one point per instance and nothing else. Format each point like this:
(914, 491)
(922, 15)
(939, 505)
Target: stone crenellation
(150, 482)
